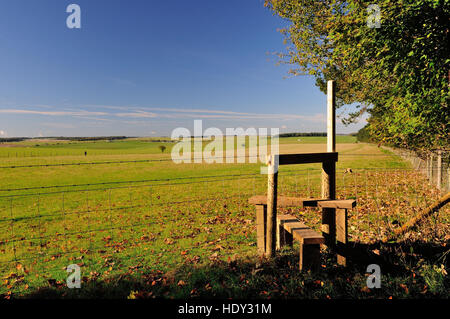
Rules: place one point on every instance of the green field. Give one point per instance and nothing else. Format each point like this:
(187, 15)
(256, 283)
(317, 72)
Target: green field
(140, 225)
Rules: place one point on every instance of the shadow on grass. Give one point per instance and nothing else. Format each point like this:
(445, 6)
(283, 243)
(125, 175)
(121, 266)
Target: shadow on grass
(409, 270)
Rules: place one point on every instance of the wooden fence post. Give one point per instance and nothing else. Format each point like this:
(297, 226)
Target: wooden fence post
(272, 181)
(430, 171)
(329, 170)
(341, 236)
(439, 170)
(261, 222)
(448, 179)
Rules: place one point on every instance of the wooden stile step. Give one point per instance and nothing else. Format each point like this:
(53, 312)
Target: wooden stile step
(289, 228)
(308, 236)
(299, 230)
(287, 201)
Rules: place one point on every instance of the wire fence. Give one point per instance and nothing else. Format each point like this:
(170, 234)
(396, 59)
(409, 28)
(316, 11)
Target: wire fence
(435, 164)
(167, 222)
(50, 162)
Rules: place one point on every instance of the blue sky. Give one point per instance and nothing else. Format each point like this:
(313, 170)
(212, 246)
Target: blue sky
(145, 67)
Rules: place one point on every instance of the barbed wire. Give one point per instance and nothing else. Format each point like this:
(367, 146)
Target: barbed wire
(193, 161)
(115, 188)
(165, 180)
(123, 182)
(82, 212)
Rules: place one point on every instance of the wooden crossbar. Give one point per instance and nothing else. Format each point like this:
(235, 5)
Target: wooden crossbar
(284, 201)
(342, 204)
(307, 158)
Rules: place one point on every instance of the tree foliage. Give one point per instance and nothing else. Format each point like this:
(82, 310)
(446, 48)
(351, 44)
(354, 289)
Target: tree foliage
(363, 134)
(398, 73)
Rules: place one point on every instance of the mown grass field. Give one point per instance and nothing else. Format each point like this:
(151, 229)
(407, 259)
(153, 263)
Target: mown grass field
(144, 226)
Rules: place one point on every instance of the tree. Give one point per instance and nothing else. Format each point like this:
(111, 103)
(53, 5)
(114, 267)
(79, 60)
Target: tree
(398, 73)
(162, 148)
(363, 135)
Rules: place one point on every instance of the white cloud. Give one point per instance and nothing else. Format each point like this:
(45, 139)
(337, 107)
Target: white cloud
(171, 113)
(207, 114)
(52, 113)
(131, 119)
(137, 114)
(59, 125)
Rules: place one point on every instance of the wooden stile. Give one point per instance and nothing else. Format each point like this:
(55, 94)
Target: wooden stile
(275, 232)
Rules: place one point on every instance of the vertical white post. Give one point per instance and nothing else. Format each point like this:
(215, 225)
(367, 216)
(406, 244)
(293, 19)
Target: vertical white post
(329, 168)
(329, 171)
(331, 117)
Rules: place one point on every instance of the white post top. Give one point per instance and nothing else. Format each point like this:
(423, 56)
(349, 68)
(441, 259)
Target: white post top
(331, 117)
(272, 162)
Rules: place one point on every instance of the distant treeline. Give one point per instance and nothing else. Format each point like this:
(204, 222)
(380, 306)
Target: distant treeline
(12, 139)
(96, 138)
(63, 138)
(303, 134)
(363, 135)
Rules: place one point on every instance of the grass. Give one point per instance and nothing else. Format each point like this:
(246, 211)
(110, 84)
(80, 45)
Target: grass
(168, 230)
(340, 139)
(42, 148)
(51, 148)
